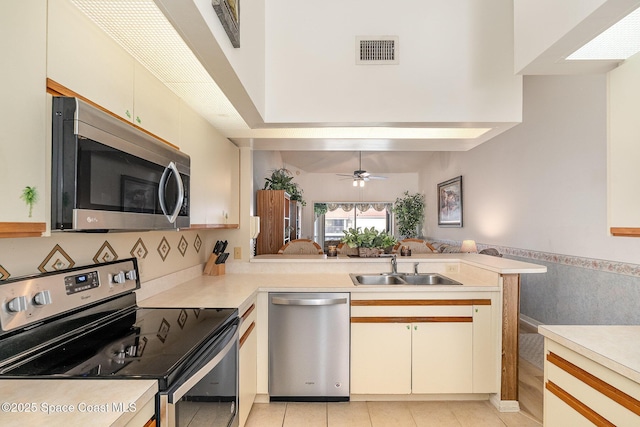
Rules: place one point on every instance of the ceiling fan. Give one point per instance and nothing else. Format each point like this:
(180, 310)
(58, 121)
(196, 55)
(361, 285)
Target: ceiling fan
(360, 176)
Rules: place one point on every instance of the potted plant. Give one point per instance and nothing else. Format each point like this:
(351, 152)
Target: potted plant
(30, 197)
(409, 211)
(370, 242)
(282, 179)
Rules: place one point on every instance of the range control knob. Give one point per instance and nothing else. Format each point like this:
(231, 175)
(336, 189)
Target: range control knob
(42, 298)
(17, 304)
(131, 275)
(119, 278)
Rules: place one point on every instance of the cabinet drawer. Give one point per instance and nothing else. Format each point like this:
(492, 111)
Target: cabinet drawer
(424, 311)
(590, 388)
(248, 317)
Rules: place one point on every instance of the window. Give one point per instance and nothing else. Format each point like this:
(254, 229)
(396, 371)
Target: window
(333, 218)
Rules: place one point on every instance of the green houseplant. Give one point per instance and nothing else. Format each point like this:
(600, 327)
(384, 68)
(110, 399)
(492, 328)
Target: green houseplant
(409, 212)
(370, 242)
(30, 197)
(282, 179)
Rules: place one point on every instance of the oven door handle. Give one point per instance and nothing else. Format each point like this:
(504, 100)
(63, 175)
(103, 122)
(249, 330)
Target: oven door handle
(175, 393)
(161, 192)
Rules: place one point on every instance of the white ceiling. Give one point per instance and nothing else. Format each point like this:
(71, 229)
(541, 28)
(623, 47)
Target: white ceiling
(172, 40)
(345, 162)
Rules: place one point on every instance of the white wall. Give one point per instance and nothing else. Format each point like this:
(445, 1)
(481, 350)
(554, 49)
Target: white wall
(543, 184)
(455, 62)
(248, 60)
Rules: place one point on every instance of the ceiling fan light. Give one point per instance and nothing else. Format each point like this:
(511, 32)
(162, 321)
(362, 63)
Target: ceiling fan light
(355, 182)
(362, 183)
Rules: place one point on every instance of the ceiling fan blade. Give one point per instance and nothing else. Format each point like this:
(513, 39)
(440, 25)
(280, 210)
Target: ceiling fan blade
(376, 177)
(344, 174)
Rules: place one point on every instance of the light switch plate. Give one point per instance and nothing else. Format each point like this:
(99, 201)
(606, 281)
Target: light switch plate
(237, 252)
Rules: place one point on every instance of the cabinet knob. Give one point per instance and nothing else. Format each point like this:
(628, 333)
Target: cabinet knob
(127, 113)
(138, 120)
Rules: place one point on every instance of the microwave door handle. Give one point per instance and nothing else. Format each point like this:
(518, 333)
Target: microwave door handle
(163, 179)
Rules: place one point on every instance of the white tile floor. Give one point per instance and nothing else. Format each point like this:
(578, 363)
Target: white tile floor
(385, 414)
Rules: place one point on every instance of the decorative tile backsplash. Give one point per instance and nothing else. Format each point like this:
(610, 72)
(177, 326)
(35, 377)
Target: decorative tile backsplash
(20, 257)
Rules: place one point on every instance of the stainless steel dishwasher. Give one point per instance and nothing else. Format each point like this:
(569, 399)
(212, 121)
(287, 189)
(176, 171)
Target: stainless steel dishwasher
(309, 342)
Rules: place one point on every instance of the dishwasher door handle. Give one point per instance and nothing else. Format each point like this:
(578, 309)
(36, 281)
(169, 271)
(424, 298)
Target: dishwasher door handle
(309, 301)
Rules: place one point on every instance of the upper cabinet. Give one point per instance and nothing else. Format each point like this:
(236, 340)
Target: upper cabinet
(623, 148)
(23, 116)
(53, 43)
(215, 173)
(155, 107)
(84, 59)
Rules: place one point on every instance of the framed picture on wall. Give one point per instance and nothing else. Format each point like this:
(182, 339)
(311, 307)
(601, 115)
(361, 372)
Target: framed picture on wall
(228, 12)
(450, 203)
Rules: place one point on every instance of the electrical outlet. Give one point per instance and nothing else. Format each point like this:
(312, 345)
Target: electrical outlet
(451, 268)
(237, 252)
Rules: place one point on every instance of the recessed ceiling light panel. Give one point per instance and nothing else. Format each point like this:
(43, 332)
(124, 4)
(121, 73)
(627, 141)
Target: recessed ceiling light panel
(619, 42)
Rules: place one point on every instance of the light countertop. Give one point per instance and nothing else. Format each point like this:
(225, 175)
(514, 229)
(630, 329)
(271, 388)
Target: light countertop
(62, 402)
(499, 265)
(615, 347)
(232, 290)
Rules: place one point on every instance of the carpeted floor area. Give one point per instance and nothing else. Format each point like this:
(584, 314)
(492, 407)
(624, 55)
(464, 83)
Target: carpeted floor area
(532, 349)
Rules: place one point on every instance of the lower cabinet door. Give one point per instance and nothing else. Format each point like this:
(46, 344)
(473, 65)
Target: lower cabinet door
(247, 377)
(442, 357)
(380, 358)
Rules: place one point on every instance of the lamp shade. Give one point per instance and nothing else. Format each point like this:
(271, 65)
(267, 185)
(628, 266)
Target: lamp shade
(468, 246)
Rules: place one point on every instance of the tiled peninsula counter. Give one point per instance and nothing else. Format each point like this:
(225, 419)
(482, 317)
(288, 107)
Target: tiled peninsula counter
(591, 375)
(317, 273)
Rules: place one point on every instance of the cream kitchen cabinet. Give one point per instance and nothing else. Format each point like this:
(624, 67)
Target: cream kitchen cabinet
(155, 107)
(425, 345)
(85, 60)
(248, 365)
(24, 131)
(623, 149)
(82, 58)
(589, 376)
(380, 358)
(215, 173)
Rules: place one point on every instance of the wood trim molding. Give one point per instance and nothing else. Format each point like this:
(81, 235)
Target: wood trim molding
(212, 226)
(422, 302)
(625, 231)
(22, 229)
(246, 334)
(248, 312)
(418, 319)
(56, 89)
(596, 383)
(510, 331)
(578, 406)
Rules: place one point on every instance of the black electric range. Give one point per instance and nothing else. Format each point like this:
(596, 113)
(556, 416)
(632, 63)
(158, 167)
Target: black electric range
(84, 323)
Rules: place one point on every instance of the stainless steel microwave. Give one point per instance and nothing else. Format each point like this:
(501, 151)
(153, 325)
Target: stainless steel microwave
(110, 175)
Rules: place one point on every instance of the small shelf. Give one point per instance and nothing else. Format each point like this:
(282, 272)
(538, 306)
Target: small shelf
(212, 226)
(625, 232)
(22, 229)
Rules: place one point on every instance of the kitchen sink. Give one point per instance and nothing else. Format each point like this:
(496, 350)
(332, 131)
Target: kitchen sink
(402, 279)
(376, 279)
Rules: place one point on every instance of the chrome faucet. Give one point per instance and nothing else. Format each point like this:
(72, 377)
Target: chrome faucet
(415, 267)
(394, 265)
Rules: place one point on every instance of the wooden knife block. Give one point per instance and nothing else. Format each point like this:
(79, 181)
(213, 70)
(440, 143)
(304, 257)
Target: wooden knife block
(213, 269)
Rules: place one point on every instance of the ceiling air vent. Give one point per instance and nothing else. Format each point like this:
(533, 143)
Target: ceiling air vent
(377, 50)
